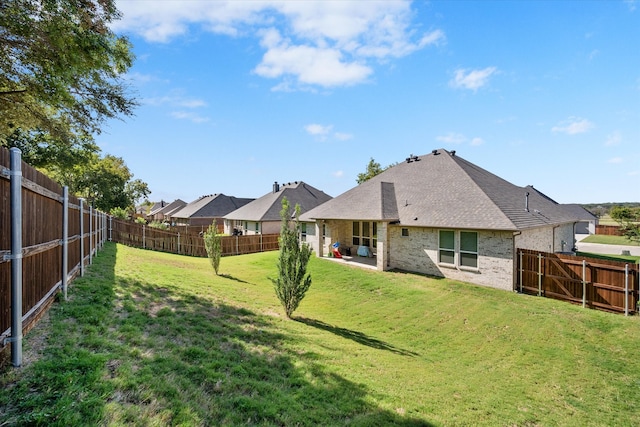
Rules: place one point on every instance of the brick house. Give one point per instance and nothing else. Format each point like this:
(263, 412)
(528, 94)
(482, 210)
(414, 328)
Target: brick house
(441, 215)
(262, 216)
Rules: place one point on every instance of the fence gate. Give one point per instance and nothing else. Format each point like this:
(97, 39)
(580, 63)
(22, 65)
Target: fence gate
(592, 282)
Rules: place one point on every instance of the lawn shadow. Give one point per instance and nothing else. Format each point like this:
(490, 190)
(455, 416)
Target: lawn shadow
(230, 277)
(356, 336)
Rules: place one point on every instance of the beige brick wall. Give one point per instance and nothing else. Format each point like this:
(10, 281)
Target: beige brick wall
(418, 252)
(547, 239)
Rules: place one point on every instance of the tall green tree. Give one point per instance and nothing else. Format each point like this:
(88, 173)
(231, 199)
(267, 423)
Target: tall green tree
(293, 281)
(105, 182)
(213, 246)
(61, 75)
(373, 169)
(629, 220)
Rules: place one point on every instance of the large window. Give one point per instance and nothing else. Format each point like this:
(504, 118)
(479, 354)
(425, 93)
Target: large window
(469, 249)
(365, 233)
(458, 248)
(447, 254)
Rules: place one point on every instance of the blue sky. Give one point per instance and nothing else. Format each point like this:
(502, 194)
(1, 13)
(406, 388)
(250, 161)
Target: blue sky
(236, 95)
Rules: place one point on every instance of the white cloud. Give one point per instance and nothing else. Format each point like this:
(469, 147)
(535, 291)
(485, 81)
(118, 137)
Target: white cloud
(452, 138)
(341, 136)
(615, 160)
(613, 139)
(338, 174)
(175, 101)
(192, 117)
(573, 126)
(328, 44)
(317, 129)
(477, 141)
(631, 4)
(472, 79)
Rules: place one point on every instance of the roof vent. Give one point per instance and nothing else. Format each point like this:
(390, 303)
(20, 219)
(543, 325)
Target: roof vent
(526, 201)
(434, 152)
(412, 158)
(276, 187)
(453, 152)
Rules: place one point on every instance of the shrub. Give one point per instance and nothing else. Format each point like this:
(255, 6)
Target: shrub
(213, 246)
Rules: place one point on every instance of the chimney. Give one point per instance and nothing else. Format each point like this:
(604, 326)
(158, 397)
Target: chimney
(276, 187)
(526, 201)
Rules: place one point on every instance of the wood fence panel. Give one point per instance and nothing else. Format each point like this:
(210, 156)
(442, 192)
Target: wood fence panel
(608, 230)
(561, 276)
(192, 244)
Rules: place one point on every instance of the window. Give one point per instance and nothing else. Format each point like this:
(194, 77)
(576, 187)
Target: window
(446, 251)
(303, 231)
(405, 232)
(365, 233)
(356, 233)
(257, 227)
(469, 249)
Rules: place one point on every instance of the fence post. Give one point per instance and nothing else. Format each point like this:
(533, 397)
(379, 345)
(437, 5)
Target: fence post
(144, 241)
(521, 269)
(81, 237)
(626, 289)
(16, 256)
(110, 227)
(584, 283)
(237, 248)
(90, 235)
(539, 274)
(178, 242)
(65, 239)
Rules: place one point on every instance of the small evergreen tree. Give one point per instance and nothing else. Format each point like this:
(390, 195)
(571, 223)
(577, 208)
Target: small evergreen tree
(213, 246)
(293, 281)
(629, 220)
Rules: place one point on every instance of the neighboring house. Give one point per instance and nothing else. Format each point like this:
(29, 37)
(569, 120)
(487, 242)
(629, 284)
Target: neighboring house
(441, 215)
(206, 209)
(164, 210)
(588, 221)
(262, 216)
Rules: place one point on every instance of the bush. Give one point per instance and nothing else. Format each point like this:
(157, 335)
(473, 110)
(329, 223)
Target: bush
(213, 246)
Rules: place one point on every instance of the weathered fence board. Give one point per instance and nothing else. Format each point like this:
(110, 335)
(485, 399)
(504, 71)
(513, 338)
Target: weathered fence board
(608, 230)
(597, 283)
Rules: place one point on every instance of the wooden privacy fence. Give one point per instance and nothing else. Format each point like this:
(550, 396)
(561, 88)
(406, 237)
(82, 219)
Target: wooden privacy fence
(608, 230)
(595, 283)
(142, 236)
(47, 239)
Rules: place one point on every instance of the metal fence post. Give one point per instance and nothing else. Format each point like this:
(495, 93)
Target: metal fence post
(521, 269)
(584, 283)
(178, 242)
(65, 239)
(90, 235)
(110, 227)
(16, 256)
(81, 237)
(626, 289)
(539, 274)
(144, 241)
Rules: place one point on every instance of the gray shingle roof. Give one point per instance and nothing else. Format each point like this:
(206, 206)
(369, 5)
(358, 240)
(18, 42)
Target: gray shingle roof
(444, 190)
(268, 207)
(164, 208)
(211, 206)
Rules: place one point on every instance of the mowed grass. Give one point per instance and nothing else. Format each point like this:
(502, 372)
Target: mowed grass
(610, 240)
(152, 339)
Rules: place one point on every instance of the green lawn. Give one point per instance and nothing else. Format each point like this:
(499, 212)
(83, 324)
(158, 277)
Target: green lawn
(152, 339)
(609, 240)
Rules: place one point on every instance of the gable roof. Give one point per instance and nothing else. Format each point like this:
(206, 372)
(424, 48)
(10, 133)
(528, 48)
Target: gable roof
(211, 206)
(444, 190)
(268, 207)
(580, 212)
(164, 208)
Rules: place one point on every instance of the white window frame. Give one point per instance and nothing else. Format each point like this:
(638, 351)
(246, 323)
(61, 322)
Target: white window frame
(458, 251)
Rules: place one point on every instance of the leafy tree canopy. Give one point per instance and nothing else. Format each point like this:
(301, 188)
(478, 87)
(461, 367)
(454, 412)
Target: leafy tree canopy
(61, 70)
(373, 169)
(629, 220)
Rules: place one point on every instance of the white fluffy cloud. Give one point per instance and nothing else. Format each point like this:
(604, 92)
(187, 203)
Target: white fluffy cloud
(324, 132)
(327, 44)
(573, 126)
(472, 79)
